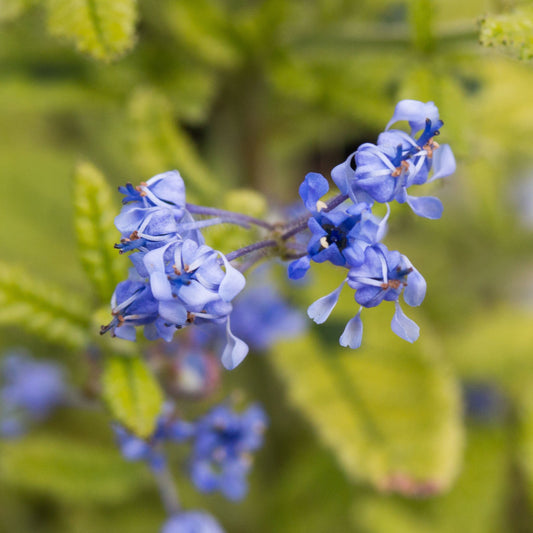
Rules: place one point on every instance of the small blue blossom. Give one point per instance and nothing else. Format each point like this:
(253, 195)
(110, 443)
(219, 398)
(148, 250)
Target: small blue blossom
(261, 316)
(29, 391)
(192, 522)
(222, 449)
(383, 276)
(385, 171)
(168, 428)
(155, 212)
(340, 235)
(194, 283)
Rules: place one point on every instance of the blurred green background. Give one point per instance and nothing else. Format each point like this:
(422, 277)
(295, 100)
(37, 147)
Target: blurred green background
(435, 436)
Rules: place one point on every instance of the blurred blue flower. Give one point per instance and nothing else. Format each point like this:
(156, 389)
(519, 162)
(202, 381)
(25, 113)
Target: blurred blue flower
(29, 390)
(168, 429)
(222, 449)
(261, 316)
(192, 522)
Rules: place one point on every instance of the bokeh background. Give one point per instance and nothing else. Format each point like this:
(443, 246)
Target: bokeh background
(435, 436)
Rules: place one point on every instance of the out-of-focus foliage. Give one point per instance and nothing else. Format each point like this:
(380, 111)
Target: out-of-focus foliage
(253, 95)
(95, 230)
(396, 409)
(104, 29)
(512, 32)
(132, 394)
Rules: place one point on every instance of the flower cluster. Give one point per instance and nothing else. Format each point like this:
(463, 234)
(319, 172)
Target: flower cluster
(222, 442)
(29, 391)
(176, 279)
(350, 235)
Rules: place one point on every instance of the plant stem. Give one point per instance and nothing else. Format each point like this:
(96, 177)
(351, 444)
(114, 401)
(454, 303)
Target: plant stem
(167, 490)
(251, 248)
(212, 211)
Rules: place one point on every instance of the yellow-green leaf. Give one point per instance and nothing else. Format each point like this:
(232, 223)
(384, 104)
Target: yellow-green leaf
(42, 309)
(94, 215)
(475, 504)
(389, 412)
(132, 394)
(68, 470)
(511, 32)
(104, 29)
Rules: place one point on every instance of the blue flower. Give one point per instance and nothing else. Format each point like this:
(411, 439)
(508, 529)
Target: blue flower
(155, 212)
(383, 276)
(168, 428)
(339, 236)
(29, 391)
(221, 455)
(194, 283)
(385, 171)
(192, 522)
(261, 317)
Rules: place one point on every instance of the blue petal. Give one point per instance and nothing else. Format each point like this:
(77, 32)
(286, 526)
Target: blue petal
(160, 286)
(126, 332)
(415, 291)
(403, 326)
(343, 175)
(426, 206)
(298, 269)
(155, 259)
(169, 187)
(353, 332)
(443, 162)
(320, 310)
(235, 350)
(415, 113)
(173, 312)
(312, 189)
(233, 282)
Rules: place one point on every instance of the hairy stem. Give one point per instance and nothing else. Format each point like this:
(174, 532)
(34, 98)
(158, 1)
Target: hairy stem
(228, 215)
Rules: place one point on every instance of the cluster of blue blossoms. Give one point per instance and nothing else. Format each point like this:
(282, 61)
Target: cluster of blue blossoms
(177, 280)
(29, 391)
(347, 234)
(222, 443)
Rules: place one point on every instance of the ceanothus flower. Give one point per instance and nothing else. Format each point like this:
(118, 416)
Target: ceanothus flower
(339, 236)
(192, 522)
(383, 276)
(168, 429)
(191, 282)
(154, 212)
(29, 391)
(261, 316)
(385, 171)
(221, 451)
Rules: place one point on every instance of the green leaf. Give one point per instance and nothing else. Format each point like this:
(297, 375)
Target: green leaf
(159, 144)
(94, 214)
(11, 9)
(132, 394)
(495, 345)
(477, 503)
(511, 32)
(205, 29)
(42, 309)
(69, 470)
(104, 29)
(389, 412)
